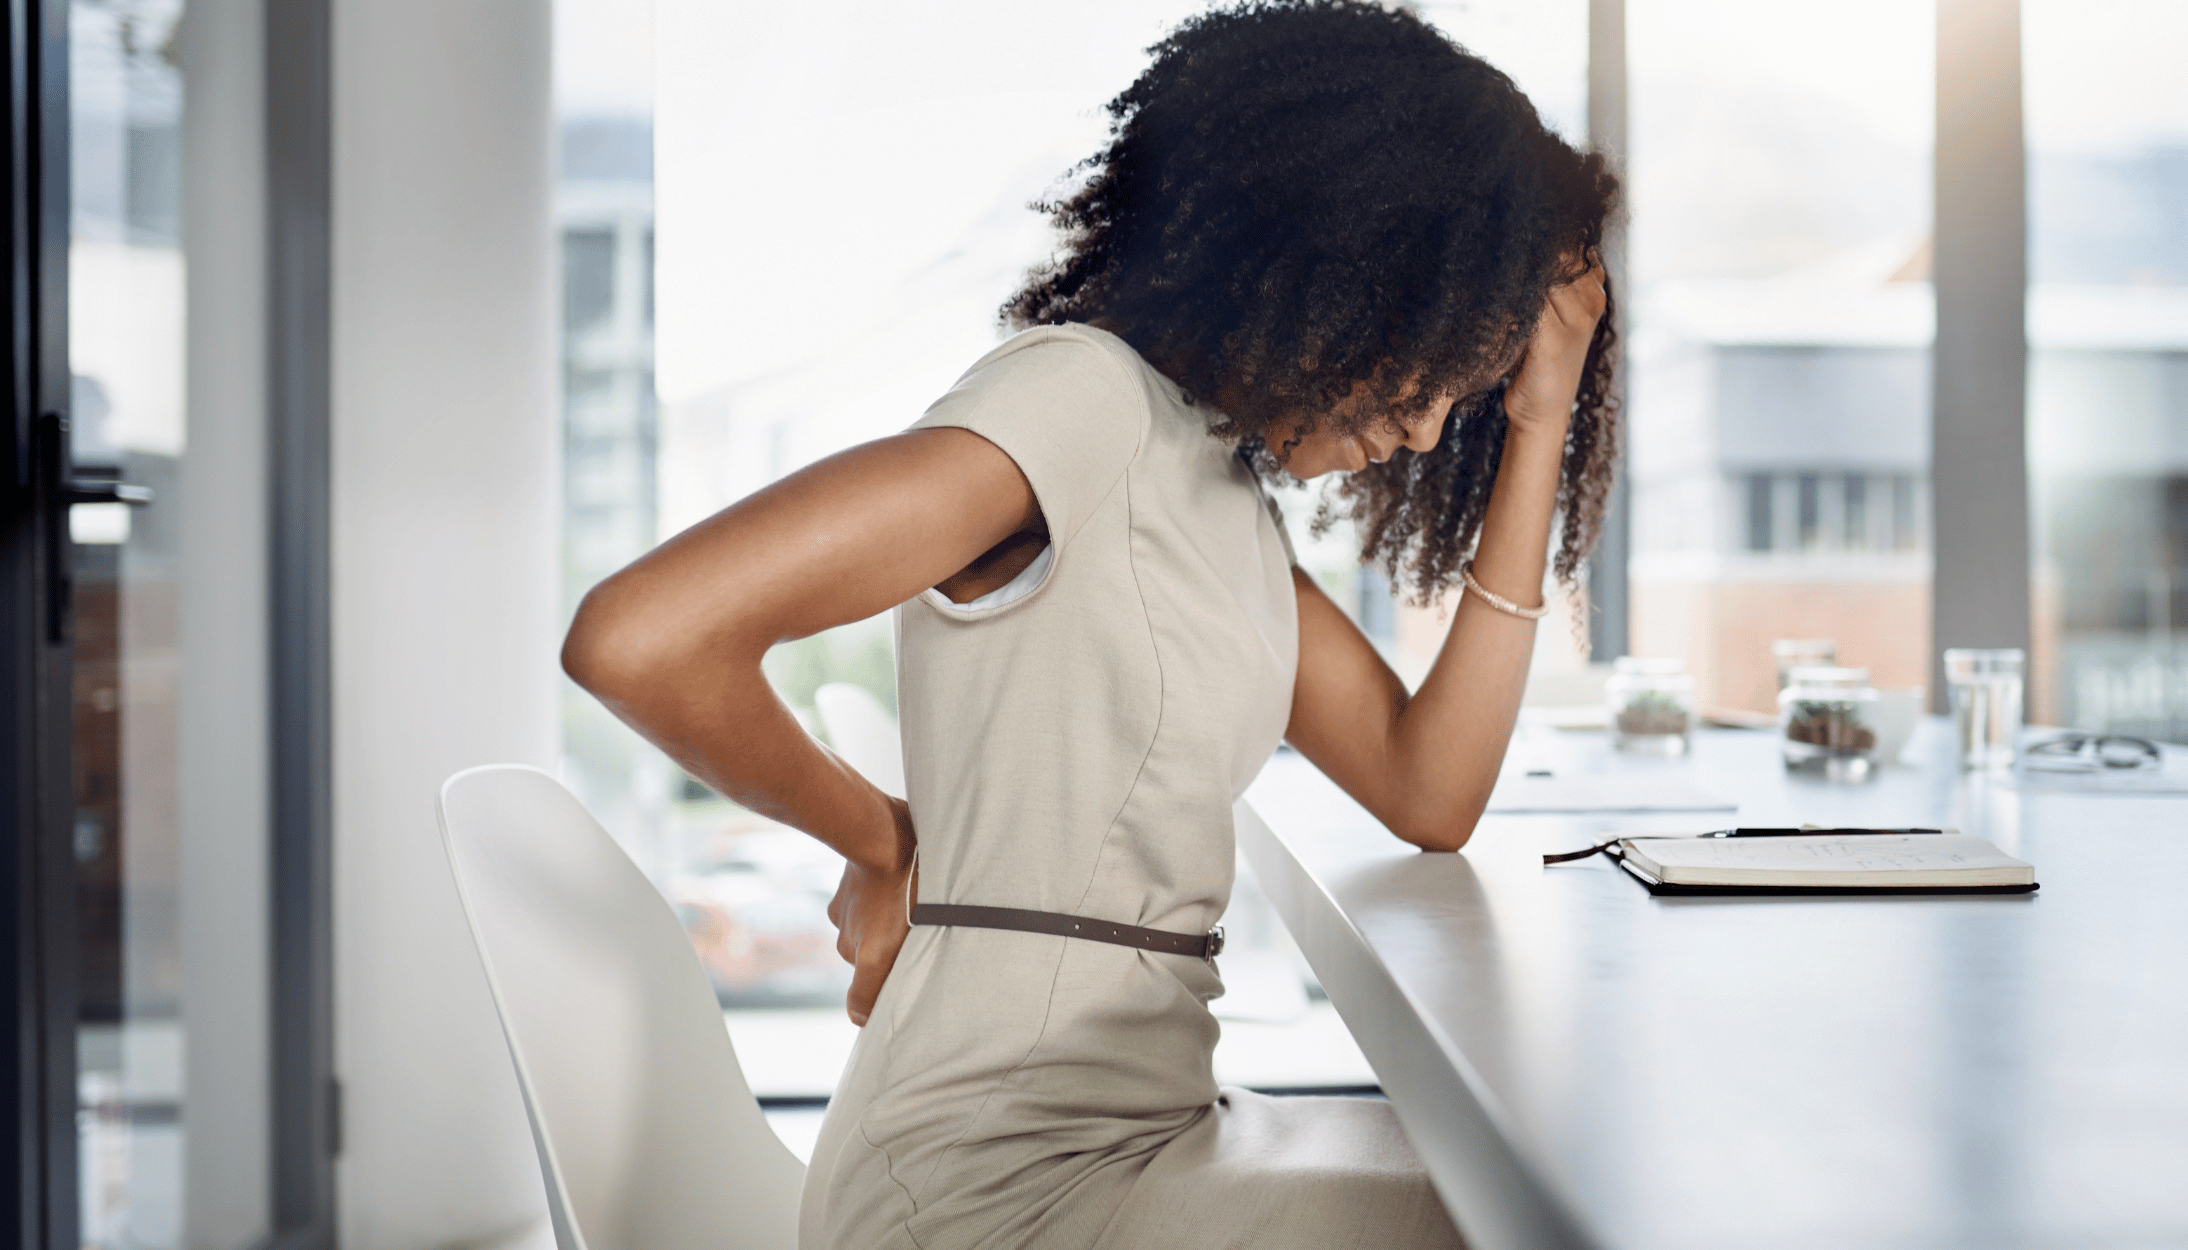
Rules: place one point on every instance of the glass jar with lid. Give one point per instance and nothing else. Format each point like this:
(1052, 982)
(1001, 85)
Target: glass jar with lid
(1651, 706)
(1791, 653)
(1827, 722)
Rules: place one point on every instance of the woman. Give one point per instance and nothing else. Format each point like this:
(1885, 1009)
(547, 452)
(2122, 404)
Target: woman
(1323, 239)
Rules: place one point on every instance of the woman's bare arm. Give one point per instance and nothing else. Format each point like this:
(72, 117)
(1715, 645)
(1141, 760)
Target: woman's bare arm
(1425, 765)
(673, 643)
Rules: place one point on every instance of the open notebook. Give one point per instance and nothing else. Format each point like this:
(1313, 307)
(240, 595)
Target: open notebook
(1922, 863)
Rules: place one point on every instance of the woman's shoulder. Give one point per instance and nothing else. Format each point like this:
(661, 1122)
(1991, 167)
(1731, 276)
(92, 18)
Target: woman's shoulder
(1069, 403)
(1076, 381)
(1069, 351)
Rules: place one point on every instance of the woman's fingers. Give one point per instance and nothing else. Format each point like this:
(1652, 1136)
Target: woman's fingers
(868, 912)
(1580, 301)
(875, 954)
(866, 980)
(1549, 374)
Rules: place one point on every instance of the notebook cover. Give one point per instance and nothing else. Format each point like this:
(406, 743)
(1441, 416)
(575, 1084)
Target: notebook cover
(1663, 888)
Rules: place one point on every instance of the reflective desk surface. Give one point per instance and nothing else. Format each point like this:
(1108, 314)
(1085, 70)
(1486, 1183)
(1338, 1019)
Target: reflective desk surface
(1581, 1064)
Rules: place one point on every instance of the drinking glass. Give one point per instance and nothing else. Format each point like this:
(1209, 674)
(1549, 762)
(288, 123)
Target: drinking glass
(1792, 653)
(1986, 703)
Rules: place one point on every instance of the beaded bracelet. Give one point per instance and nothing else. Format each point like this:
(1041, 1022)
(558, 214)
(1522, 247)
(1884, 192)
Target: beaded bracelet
(1497, 601)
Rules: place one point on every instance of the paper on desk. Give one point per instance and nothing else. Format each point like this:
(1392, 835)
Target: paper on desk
(1616, 792)
(2172, 778)
(1582, 716)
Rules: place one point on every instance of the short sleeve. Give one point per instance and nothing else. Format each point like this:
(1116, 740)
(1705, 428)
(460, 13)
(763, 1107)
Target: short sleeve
(1068, 408)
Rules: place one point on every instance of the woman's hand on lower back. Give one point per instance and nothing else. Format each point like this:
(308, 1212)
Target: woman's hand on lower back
(872, 915)
(673, 644)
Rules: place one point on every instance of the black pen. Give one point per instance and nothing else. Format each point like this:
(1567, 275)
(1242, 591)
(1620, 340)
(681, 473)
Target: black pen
(1803, 831)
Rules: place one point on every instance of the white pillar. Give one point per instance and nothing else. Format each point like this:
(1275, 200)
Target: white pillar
(224, 627)
(445, 483)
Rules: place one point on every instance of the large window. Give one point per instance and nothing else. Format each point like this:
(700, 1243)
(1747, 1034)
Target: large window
(829, 263)
(826, 272)
(1779, 323)
(827, 267)
(2108, 364)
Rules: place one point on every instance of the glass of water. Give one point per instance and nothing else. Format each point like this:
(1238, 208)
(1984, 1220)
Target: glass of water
(1986, 703)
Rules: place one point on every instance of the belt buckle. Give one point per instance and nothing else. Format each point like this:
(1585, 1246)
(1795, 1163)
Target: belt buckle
(1215, 944)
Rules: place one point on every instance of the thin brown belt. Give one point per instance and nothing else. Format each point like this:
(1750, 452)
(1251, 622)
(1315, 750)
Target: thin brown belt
(1199, 945)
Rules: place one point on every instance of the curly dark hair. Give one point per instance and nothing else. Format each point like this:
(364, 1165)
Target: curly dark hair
(1304, 197)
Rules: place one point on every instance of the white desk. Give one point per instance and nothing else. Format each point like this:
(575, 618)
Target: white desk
(1581, 1064)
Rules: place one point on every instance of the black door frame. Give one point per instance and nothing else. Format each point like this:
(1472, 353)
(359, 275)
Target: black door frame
(306, 1100)
(36, 673)
(37, 874)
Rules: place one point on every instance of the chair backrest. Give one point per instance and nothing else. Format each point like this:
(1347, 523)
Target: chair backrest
(863, 733)
(649, 1137)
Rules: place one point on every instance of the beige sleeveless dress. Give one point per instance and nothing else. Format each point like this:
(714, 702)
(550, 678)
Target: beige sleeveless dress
(1074, 744)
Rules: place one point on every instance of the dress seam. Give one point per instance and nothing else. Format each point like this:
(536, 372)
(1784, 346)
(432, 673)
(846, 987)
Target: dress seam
(1048, 1011)
(1135, 384)
(889, 1169)
(1162, 701)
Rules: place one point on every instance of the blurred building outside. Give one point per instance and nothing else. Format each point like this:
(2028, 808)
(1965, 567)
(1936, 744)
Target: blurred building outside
(1780, 317)
(752, 894)
(604, 219)
(1801, 486)
(2108, 408)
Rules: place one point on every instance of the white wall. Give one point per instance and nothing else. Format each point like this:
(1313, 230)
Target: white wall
(445, 489)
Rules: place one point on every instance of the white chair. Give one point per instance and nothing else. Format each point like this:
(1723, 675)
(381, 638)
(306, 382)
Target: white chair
(863, 733)
(648, 1136)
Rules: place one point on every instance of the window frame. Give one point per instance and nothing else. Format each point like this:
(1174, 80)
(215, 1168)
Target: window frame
(1979, 496)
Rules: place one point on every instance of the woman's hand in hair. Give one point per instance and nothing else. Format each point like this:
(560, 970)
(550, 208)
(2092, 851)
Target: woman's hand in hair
(1424, 763)
(1541, 396)
(872, 915)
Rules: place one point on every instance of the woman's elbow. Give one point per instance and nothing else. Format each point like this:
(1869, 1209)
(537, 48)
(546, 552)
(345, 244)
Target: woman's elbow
(605, 652)
(1443, 827)
(1441, 836)
(633, 651)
